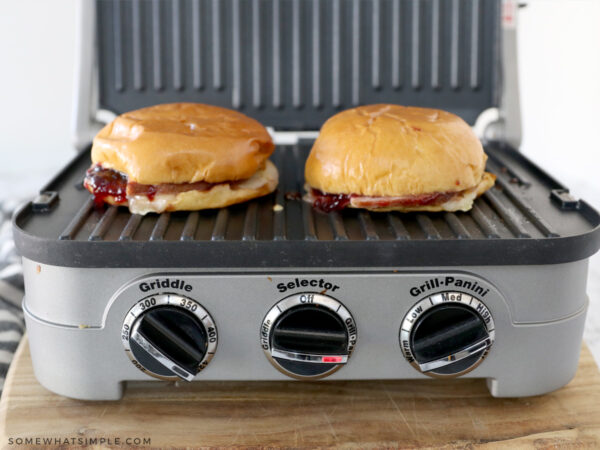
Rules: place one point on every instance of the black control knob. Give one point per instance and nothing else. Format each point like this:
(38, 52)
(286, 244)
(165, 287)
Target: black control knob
(169, 336)
(448, 334)
(308, 335)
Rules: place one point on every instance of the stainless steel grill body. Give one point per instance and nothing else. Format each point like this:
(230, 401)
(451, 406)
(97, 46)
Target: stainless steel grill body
(291, 64)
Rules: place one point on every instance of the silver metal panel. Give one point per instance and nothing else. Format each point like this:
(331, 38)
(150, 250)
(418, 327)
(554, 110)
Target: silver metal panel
(91, 363)
(78, 297)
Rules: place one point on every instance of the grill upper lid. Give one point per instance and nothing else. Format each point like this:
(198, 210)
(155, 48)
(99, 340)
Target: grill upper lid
(291, 64)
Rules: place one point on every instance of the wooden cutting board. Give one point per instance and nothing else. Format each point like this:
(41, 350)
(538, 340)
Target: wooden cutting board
(454, 413)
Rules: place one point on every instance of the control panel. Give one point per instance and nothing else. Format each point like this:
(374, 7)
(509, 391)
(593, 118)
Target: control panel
(269, 325)
(170, 334)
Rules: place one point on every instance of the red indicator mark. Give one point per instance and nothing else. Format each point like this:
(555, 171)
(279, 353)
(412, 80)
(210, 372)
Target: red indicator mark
(331, 359)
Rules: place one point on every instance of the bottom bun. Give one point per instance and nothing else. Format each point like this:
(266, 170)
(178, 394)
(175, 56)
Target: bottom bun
(460, 202)
(263, 182)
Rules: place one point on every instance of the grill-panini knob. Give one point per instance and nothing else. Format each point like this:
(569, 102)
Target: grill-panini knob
(169, 337)
(308, 336)
(447, 334)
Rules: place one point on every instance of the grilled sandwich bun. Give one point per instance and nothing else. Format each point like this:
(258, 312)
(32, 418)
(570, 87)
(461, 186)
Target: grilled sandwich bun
(263, 182)
(391, 151)
(182, 143)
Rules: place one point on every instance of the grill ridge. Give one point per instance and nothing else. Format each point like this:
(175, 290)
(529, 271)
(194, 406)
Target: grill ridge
(507, 214)
(456, 226)
(396, 56)
(118, 48)
(218, 233)
(368, 228)
(216, 44)
(296, 64)
(474, 54)
(428, 227)
(160, 228)
(526, 209)
(249, 233)
(398, 227)
(455, 46)
(337, 226)
(236, 54)
(484, 222)
(310, 233)
(316, 53)
(176, 39)
(279, 233)
(130, 227)
(376, 44)
(503, 169)
(335, 54)
(104, 223)
(196, 45)
(308, 215)
(276, 50)
(77, 221)
(356, 56)
(256, 57)
(435, 44)
(191, 224)
(416, 44)
(136, 31)
(156, 46)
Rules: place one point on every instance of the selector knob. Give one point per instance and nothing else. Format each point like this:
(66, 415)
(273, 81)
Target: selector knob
(308, 336)
(447, 334)
(169, 336)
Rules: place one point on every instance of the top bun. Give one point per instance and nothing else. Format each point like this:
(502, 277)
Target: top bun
(183, 143)
(391, 150)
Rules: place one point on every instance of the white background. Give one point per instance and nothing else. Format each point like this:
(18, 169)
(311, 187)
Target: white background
(559, 57)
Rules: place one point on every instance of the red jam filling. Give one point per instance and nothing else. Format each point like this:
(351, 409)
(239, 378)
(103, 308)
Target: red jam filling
(151, 193)
(330, 202)
(104, 183)
(335, 202)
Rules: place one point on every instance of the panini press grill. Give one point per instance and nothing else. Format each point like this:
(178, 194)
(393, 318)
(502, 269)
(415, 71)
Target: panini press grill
(272, 289)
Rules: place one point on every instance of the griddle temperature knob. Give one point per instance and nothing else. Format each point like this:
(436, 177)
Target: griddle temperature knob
(447, 334)
(308, 335)
(169, 336)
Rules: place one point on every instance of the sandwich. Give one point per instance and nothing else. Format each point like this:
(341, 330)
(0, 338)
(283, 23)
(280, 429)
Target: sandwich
(180, 156)
(396, 158)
